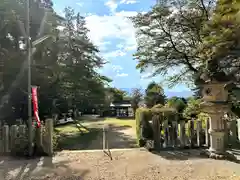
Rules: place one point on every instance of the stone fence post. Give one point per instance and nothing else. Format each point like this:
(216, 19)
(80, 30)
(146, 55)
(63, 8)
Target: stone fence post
(49, 136)
(5, 134)
(238, 129)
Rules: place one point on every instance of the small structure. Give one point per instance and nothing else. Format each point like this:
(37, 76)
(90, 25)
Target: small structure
(121, 109)
(215, 104)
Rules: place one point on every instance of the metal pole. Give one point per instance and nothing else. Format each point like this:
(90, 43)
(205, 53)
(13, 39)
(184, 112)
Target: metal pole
(30, 135)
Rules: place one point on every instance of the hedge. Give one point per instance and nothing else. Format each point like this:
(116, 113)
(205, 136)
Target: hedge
(141, 114)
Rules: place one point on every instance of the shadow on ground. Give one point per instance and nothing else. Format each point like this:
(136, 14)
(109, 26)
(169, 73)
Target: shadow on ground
(92, 140)
(38, 169)
(187, 154)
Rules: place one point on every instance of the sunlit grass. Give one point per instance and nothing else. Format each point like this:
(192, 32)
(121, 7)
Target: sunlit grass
(69, 128)
(121, 122)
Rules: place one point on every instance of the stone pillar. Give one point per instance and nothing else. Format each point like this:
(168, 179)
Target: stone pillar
(13, 136)
(233, 131)
(174, 133)
(191, 132)
(39, 137)
(199, 128)
(207, 137)
(166, 132)
(226, 131)
(156, 131)
(5, 138)
(216, 132)
(182, 134)
(49, 131)
(238, 127)
(22, 130)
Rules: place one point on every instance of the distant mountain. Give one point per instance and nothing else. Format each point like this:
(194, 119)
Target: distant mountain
(167, 93)
(184, 94)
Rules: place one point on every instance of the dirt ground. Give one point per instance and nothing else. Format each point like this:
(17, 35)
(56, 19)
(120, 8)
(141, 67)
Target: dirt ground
(133, 164)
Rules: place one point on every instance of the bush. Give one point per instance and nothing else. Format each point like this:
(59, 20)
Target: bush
(56, 137)
(192, 109)
(142, 115)
(157, 106)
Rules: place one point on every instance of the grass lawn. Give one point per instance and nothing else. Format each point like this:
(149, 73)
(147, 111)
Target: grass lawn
(121, 122)
(69, 128)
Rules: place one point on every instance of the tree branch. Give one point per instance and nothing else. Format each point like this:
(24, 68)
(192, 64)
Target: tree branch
(184, 55)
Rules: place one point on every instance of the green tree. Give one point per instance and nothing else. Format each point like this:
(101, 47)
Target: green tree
(168, 37)
(177, 102)
(116, 94)
(136, 97)
(64, 67)
(80, 58)
(220, 47)
(192, 109)
(13, 52)
(154, 94)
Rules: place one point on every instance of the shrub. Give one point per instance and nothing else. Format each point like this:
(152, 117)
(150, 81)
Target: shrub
(192, 109)
(142, 115)
(157, 106)
(203, 117)
(56, 137)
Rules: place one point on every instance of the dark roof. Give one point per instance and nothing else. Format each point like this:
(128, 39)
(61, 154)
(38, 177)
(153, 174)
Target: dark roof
(122, 102)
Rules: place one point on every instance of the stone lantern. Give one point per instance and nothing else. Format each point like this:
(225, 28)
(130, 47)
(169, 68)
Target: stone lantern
(215, 104)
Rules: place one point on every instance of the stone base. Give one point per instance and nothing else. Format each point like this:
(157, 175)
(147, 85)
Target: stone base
(220, 156)
(216, 155)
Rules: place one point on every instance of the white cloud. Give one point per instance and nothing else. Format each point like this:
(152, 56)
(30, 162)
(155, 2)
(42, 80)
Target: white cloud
(112, 4)
(115, 26)
(128, 1)
(79, 4)
(125, 48)
(117, 68)
(114, 71)
(126, 13)
(103, 45)
(114, 54)
(122, 75)
(145, 75)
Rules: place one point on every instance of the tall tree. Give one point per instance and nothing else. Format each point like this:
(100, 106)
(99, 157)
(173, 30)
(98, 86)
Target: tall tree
(168, 37)
(221, 41)
(136, 97)
(116, 94)
(13, 51)
(64, 67)
(154, 94)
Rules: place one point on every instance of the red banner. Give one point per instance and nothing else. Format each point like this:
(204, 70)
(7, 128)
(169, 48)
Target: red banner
(35, 105)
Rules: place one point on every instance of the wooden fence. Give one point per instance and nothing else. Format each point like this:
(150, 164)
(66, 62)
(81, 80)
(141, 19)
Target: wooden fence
(15, 138)
(193, 133)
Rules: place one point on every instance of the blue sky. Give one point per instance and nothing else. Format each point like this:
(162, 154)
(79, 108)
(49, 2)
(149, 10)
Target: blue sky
(113, 33)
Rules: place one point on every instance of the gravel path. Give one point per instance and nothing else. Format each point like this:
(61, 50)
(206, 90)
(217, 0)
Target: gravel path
(132, 164)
